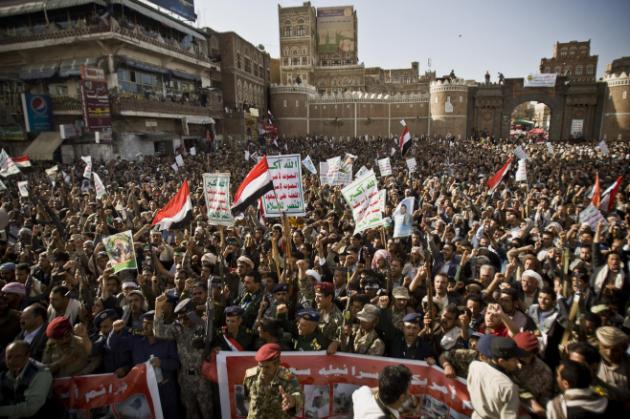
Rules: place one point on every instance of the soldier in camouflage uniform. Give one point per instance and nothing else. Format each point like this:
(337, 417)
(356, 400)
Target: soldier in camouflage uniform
(310, 338)
(456, 361)
(398, 309)
(366, 341)
(188, 333)
(272, 390)
(331, 318)
(306, 289)
(534, 378)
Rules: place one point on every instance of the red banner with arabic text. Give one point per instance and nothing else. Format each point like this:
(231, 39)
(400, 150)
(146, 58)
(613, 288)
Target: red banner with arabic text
(133, 396)
(328, 382)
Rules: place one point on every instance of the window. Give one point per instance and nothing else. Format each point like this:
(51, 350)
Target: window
(300, 31)
(589, 69)
(296, 61)
(60, 90)
(578, 70)
(563, 52)
(557, 69)
(624, 95)
(238, 60)
(547, 69)
(248, 65)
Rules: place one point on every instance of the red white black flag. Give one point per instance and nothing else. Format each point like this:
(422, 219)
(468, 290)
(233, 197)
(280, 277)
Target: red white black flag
(257, 183)
(494, 181)
(175, 213)
(405, 138)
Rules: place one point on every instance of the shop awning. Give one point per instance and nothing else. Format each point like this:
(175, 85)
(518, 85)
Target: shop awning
(185, 76)
(42, 71)
(163, 19)
(23, 8)
(69, 68)
(200, 120)
(139, 65)
(43, 147)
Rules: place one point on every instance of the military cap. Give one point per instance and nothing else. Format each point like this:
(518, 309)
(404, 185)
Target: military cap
(172, 297)
(309, 314)
(368, 313)
(267, 352)
(58, 328)
(401, 293)
(232, 311)
(279, 288)
(183, 306)
(149, 315)
(326, 288)
(103, 315)
(484, 344)
(414, 318)
(504, 347)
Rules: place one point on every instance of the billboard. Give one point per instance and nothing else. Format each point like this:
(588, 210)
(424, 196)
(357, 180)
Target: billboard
(96, 110)
(37, 112)
(335, 30)
(184, 8)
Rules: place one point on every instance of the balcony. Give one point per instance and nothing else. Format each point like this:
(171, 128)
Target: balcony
(125, 104)
(75, 31)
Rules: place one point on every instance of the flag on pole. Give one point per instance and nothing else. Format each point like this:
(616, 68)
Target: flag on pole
(175, 212)
(22, 161)
(257, 183)
(608, 197)
(405, 138)
(597, 194)
(498, 176)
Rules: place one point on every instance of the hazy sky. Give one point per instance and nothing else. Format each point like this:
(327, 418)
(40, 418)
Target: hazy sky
(496, 35)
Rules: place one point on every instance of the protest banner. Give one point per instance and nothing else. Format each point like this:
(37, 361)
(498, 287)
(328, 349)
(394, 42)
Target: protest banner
(363, 197)
(382, 199)
(23, 188)
(540, 80)
(328, 382)
(133, 396)
(363, 170)
(521, 172)
(119, 248)
(175, 167)
(99, 187)
(342, 178)
(7, 165)
(520, 153)
(334, 164)
(402, 217)
(385, 167)
(216, 189)
(193, 151)
(591, 216)
(52, 173)
(412, 165)
(87, 172)
(308, 163)
(288, 194)
(549, 148)
(179, 160)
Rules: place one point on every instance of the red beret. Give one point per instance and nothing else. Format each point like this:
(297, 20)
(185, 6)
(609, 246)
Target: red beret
(267, 352)
(527, 341)
(326, 288)
(58, 328)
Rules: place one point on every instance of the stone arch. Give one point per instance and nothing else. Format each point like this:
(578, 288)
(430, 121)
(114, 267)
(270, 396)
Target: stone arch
(551, 98)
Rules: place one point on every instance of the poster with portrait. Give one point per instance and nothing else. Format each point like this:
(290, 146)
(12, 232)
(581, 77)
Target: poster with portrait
(403, 220)
(119, 248)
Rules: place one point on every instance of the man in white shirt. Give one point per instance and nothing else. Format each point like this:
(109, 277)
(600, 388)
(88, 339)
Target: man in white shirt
(492, 393)
(386, 400)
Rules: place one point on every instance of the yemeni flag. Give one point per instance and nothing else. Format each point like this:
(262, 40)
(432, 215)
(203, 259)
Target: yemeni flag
(22, 161)
(597, 193)
(405, 138)
(494, 181)
(176, 212)
(257, 183)
(609, 195)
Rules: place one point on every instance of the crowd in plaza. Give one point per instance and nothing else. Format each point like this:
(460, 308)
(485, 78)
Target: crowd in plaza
(529, 304)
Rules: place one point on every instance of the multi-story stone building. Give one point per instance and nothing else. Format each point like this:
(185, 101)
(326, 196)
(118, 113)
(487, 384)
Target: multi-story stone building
(572, 60)
(162, 77)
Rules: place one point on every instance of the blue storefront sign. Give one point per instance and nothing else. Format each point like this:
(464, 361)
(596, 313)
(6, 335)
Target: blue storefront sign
(37, 112)
(185, 8)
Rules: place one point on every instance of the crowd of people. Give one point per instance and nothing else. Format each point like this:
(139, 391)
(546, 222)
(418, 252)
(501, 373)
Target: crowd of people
(528, 304)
